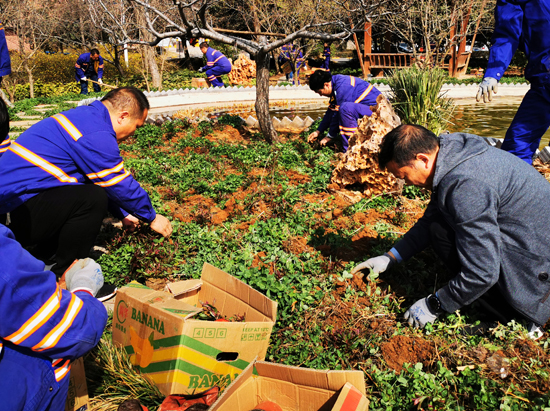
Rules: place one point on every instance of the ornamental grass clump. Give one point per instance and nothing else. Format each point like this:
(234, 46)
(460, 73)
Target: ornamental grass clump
(416, 97)
(118, 379)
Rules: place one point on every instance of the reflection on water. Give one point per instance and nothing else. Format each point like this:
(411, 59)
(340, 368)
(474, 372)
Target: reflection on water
(488, 120)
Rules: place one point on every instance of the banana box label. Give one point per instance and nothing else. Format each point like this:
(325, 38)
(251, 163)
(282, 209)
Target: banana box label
(184, 355)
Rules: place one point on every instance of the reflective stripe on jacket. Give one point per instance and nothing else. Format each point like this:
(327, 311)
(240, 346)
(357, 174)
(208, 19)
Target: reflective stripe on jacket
(78, 146)
(347, 89)
(216, 58)
(43, 329)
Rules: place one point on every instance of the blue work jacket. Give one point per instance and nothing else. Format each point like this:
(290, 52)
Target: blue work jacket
(216, 58)
(346, 89)
(43, 329)
(5, 61)
(84, 67)
(77, 146)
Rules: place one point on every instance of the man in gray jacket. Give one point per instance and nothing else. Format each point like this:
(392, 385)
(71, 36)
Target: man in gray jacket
(488, 219)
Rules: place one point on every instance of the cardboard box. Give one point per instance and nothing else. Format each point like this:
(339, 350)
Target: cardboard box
(351, 399)
(77, 397)
(199, 82)
(294, 389)
(182, 355)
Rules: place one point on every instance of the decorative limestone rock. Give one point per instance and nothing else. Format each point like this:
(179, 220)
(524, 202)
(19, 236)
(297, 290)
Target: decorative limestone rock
(359, 165)
(243, 70)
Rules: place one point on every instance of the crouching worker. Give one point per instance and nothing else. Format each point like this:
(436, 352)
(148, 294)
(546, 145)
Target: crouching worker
(216, 65)
(43, 327)
(61, 175)
(487, 220)
(350, 100)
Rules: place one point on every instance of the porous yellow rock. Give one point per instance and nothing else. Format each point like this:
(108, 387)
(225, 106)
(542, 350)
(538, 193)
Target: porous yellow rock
(359, 165)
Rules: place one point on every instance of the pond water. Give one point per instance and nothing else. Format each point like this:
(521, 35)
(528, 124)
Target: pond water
(486, 120)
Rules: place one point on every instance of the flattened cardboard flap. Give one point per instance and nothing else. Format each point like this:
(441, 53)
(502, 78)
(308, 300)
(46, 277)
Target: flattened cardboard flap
(325, 379)
(183, 287)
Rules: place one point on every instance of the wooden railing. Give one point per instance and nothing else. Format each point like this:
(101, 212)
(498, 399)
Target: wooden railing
(388, 60)
(393, 61)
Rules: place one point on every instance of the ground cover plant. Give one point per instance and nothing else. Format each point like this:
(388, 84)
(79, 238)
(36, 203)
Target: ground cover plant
(263, 214)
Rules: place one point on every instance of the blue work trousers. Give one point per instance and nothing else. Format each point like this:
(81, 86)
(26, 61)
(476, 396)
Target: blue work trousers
(84, 84)
(215, 76)
(349, 114)
(326, 64)
(529, 124)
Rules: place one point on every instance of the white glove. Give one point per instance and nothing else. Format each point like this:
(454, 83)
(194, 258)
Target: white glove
(419, 314)
(488, 85)
(100, 81)
(83, 79)
(201, 70)
(84, 275)
(377, 264)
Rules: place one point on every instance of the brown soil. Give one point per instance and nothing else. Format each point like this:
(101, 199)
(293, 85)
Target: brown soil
(401, 349)
(228, 134)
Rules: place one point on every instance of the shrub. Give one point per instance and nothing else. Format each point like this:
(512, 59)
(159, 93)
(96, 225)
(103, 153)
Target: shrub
(417, 99)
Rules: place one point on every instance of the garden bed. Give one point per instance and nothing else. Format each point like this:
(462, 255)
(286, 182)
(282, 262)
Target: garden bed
(263, 214)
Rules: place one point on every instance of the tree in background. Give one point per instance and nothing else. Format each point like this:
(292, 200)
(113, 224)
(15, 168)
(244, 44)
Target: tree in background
(267, 25)
(31, 22)
(434, 28)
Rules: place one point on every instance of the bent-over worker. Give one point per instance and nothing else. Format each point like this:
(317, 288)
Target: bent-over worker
(61, 174)
(216, 65)
(487, 220)
(89, 66)
(350, 100)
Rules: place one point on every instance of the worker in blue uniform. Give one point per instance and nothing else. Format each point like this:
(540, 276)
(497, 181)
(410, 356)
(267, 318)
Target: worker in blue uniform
(4, 127)
(326, 55)
(350, 100)
(299, 62)
(43, 327)
(523, 24)
(60, 176)
(5, 60)
(284, 61)
(216, 65)
(89, 66)
(292, 58)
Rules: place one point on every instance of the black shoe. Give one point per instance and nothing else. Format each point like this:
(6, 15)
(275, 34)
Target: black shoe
(106, 292)
(483, 328)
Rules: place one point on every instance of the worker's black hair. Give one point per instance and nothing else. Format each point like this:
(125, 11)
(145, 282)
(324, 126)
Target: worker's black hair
(93, 52)
(4, 120)
(128, 98)
(318, 79)
(203, 44)
(404, 142)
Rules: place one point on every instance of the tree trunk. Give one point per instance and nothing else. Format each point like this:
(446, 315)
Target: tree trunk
(262, 98)
(31, 79)
(153, 67)
(81, 26)
(117, 62)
